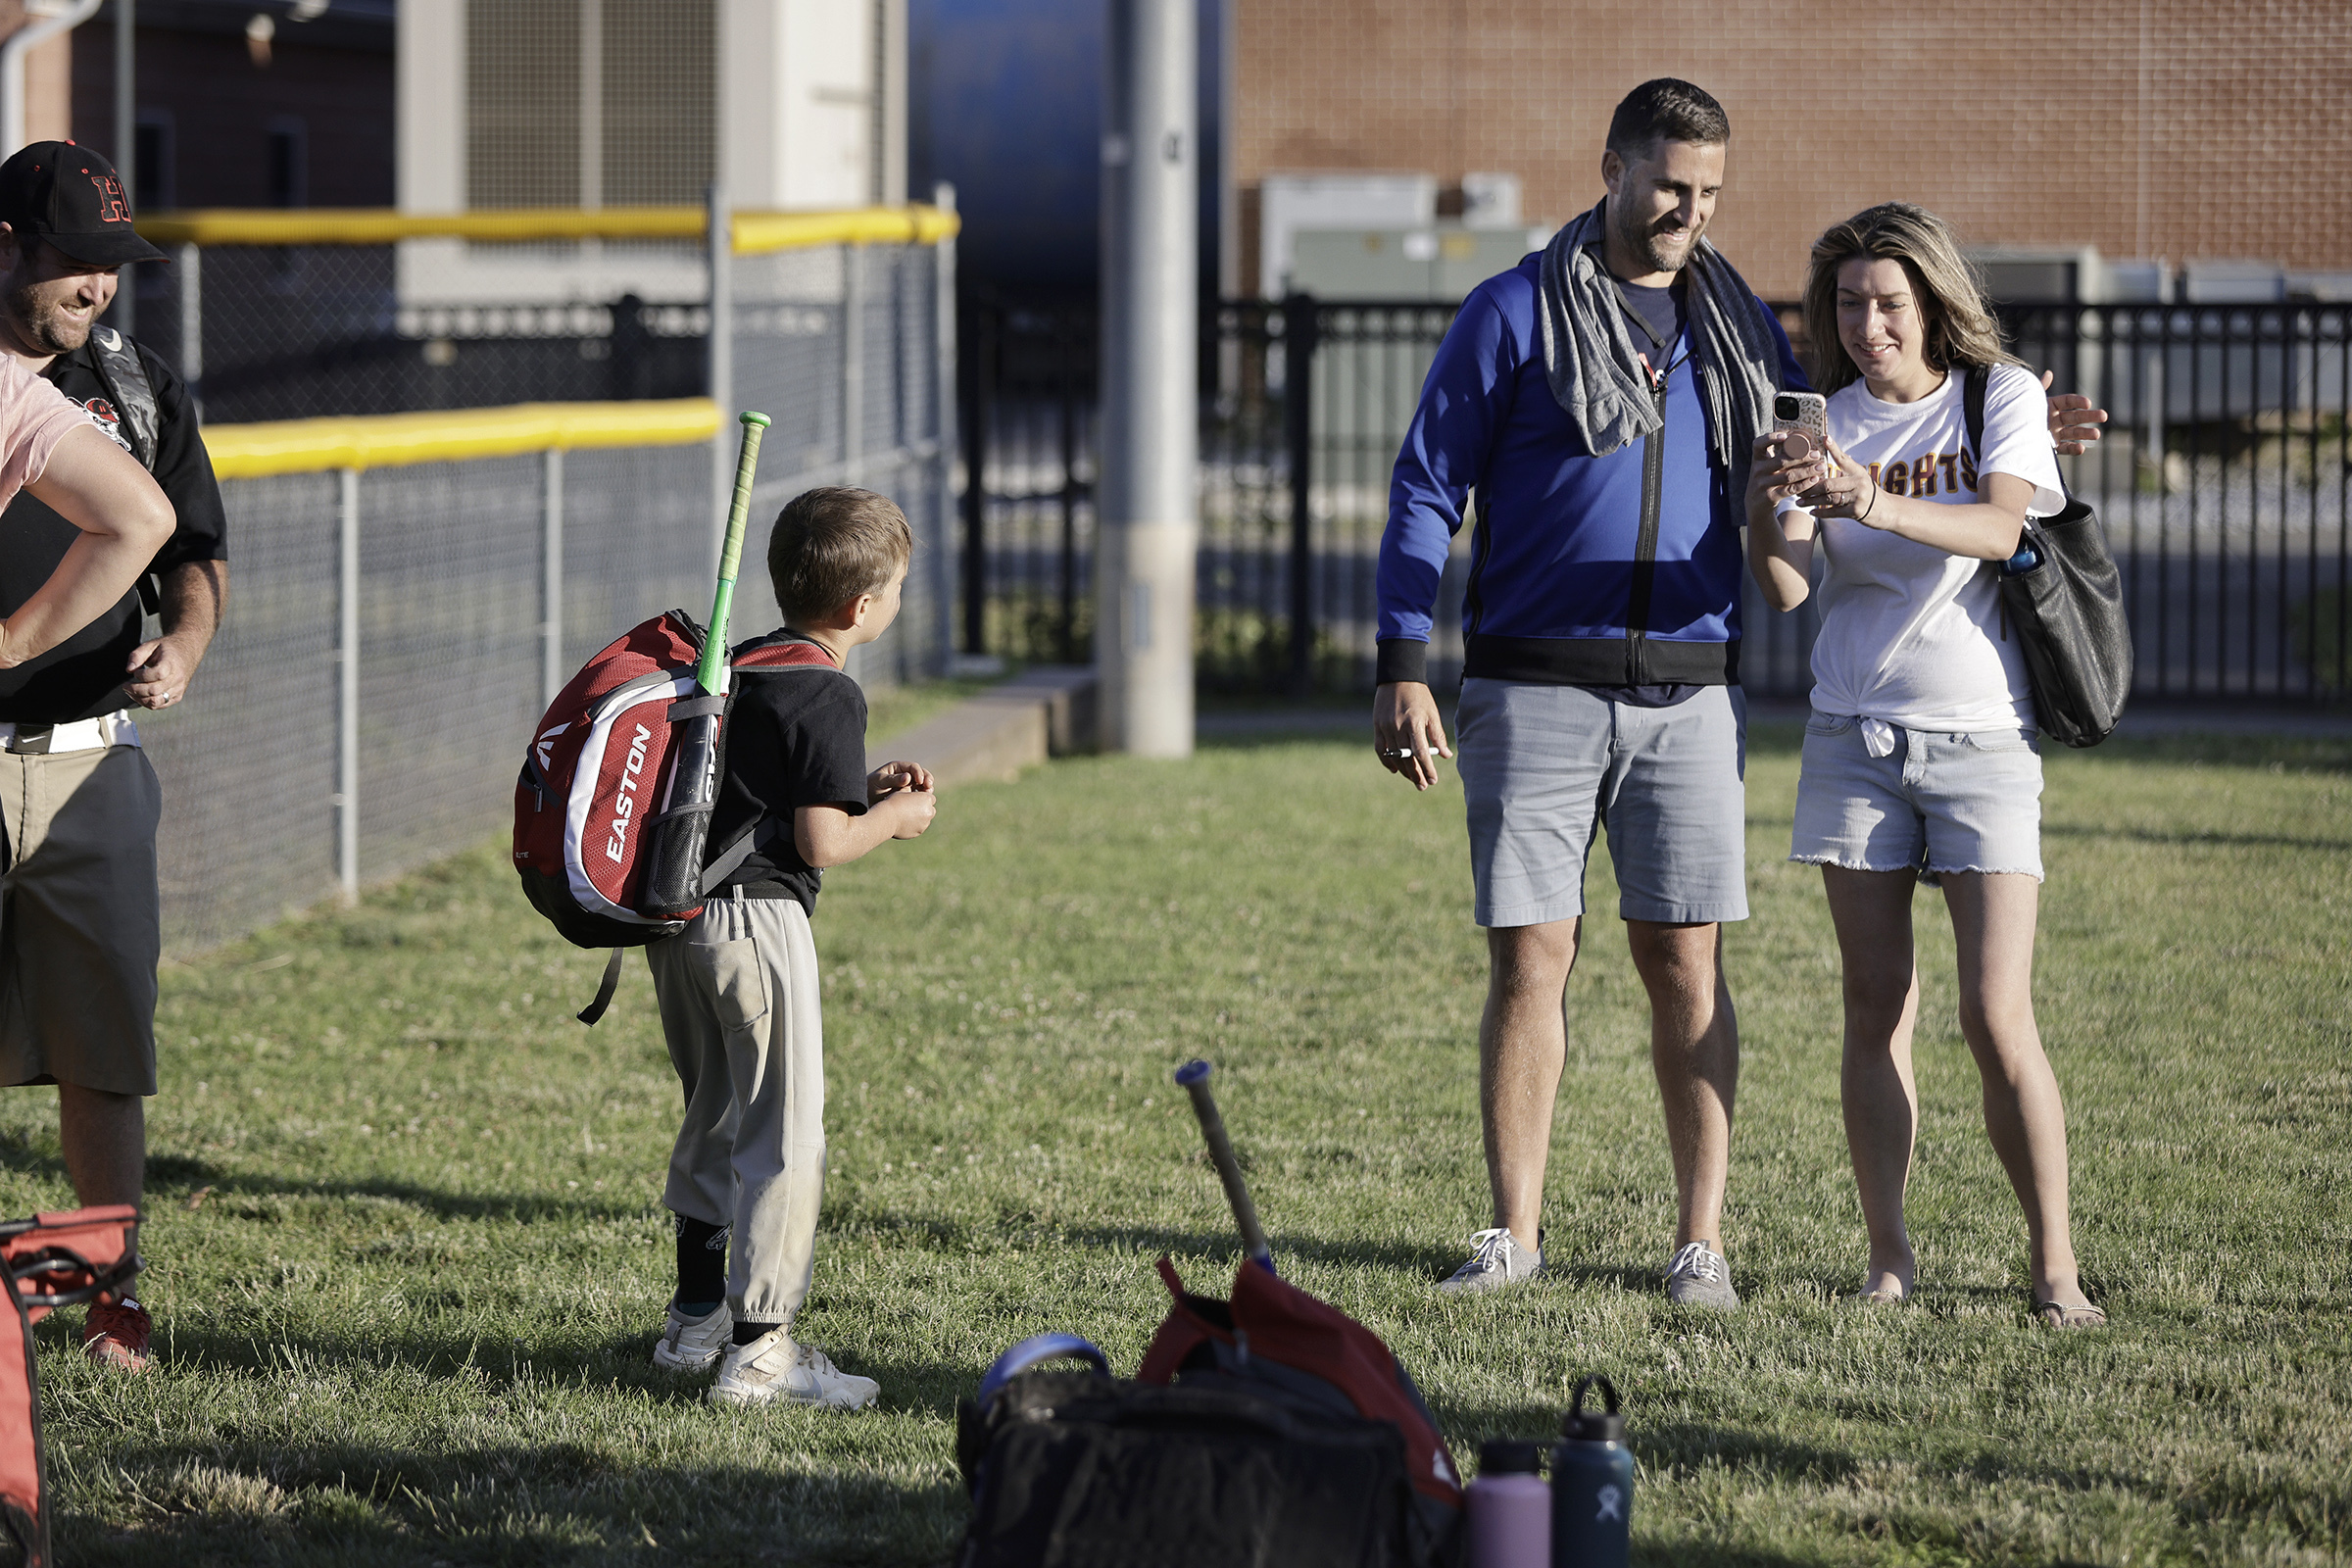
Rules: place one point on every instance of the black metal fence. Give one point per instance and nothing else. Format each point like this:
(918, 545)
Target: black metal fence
(2224, 483)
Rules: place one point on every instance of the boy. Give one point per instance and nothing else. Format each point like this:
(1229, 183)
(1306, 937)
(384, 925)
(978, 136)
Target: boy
(738, 987)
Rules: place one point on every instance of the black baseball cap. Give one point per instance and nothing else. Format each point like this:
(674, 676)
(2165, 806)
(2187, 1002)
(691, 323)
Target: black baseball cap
(73, 199)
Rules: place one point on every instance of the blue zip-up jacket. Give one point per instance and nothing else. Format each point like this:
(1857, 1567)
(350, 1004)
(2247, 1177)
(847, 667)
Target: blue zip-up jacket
(1562, 588)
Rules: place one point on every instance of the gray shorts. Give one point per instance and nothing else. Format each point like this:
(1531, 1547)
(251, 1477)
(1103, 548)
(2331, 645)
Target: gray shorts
(1545, 767)
(1936, 802)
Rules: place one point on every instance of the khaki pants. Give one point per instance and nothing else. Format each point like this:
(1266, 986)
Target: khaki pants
(80, 930)
(740, 1010)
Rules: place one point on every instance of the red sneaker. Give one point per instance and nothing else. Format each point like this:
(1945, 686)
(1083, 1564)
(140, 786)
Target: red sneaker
(116, 1334)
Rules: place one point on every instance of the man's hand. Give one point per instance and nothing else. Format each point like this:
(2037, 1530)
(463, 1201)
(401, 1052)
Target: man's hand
(1407, 731)
(2074, 422)
(160, 670)
(892, 776)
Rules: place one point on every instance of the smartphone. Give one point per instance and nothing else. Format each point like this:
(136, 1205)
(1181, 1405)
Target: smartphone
(1806, 416)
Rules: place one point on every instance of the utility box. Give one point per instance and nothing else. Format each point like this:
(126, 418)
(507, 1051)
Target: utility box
(1289, 203)
(1435, 264)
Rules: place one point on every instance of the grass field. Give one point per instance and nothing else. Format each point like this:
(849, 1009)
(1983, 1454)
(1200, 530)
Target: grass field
(407, 1259)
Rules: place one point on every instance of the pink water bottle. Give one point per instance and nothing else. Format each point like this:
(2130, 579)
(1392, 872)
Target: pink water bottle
(1509, 1509)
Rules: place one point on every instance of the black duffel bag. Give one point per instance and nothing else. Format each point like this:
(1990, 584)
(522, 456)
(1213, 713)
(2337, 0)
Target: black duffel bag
(1083, 1470)
(2066, 610)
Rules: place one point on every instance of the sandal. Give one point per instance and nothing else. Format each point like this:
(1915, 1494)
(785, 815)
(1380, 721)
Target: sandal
(2058, 1315)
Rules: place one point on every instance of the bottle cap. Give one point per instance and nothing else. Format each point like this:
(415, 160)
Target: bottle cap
(1593, 1426)
(1500, 1456)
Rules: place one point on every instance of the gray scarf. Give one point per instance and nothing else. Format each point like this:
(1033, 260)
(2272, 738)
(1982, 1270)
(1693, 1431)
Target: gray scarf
(1595, 369)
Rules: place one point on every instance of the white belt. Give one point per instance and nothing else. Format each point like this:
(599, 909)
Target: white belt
(81, 735)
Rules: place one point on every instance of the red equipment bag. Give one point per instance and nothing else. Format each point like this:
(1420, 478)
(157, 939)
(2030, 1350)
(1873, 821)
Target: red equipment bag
(1276, 1334)
(597, 775)
(51, 1260)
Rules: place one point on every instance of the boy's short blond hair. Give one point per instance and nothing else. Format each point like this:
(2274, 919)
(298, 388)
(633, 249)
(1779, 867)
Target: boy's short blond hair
(830, 545)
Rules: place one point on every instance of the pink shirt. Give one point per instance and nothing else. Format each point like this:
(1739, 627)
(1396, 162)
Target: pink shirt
(34, 417)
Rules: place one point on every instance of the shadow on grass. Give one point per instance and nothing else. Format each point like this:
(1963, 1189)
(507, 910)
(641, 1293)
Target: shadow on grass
(177, 1177)
(555, 1502)
(2232, 841)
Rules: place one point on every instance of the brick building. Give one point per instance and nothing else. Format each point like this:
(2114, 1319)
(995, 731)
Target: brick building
(2174, 129)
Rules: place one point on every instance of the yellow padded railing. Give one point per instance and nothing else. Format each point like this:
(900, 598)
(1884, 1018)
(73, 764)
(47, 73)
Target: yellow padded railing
(755, 233)
(391, 440)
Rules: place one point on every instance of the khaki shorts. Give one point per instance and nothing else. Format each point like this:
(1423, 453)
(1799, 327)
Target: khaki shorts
(80, 930)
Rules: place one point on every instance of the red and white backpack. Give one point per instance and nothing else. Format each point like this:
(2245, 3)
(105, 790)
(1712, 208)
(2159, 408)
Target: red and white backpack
(598, 773)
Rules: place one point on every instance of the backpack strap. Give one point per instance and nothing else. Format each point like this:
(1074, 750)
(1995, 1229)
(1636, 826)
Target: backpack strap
(604, 991)
(125, 377)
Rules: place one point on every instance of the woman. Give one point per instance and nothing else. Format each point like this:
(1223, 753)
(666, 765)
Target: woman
(1919, 760)
(50, 447)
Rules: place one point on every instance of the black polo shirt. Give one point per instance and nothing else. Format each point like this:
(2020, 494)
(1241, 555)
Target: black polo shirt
(83, 676)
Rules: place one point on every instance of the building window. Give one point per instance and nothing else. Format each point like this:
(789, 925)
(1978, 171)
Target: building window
(590, 103)
(289, 170)
(152, 187)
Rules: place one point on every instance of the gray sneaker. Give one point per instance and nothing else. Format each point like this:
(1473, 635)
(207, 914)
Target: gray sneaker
(691, 1344)
(1496, 1259)
(1699, 1277)
(773, 1369)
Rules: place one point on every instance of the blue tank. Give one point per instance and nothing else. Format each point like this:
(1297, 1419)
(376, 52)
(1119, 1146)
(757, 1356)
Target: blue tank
(1004, 102)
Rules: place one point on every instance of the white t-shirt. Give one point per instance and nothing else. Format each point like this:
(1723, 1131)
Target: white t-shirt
(1911, 635)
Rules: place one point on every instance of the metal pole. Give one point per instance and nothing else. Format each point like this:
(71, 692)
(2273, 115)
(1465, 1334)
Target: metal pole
(1149, 509)
(974, 368)
(1298, 413)
(853, 364)
(718, 248)
(944, 381)
(551, 579)
(125, 315)
(190, 280)
(347, 705)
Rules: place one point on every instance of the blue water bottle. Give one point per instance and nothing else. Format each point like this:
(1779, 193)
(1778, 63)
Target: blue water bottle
(1593, 1485)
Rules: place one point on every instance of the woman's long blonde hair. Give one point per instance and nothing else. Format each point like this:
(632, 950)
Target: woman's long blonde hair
(1961, 329)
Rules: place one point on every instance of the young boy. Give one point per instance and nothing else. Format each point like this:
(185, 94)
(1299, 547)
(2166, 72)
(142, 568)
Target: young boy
(738, 986)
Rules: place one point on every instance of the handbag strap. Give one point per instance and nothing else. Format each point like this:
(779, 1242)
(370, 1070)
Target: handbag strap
(1972, 404)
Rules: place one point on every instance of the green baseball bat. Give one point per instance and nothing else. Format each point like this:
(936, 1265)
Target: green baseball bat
(712, 672)
(676, 841)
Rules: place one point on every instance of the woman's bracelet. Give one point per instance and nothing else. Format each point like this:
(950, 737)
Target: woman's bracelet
(1864, 515)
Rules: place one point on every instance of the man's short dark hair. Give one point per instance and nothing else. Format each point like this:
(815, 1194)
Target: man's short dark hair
(1667, 110)
(832, 544)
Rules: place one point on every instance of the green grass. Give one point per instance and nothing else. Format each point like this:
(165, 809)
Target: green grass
(408, 1322)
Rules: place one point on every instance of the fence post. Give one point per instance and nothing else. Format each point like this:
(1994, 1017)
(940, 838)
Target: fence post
(1299, 325)
(853, 364)
(190, 279)
(974, 367)
(551, 581)
(347, 703)
(718, 249)
(946, 377)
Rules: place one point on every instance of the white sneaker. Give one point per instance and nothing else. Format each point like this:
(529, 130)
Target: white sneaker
(691, 1344)
(772, 1367)
(1497, 1259)
(1699, 1277)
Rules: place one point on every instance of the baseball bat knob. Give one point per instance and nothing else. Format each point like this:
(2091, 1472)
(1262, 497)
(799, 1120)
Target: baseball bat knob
(759, 420)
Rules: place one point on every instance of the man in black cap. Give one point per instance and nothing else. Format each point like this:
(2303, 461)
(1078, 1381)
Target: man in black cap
(80, 930)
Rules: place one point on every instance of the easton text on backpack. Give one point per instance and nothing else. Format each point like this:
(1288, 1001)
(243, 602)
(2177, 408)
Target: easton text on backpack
(598, 777)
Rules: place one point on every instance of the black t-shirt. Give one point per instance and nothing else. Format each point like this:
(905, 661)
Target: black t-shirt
(1662, 309)
(83, 676)
(793, 737)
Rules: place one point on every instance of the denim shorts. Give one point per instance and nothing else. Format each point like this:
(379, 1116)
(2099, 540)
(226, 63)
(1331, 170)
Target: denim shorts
(1936, 804)
(1545, 767)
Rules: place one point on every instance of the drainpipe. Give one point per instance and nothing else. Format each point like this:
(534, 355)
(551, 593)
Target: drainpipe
(48, 18)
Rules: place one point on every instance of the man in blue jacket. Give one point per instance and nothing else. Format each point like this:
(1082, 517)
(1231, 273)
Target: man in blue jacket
(1602, 400)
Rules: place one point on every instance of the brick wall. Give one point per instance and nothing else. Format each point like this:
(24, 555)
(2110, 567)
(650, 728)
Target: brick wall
(2181, 128)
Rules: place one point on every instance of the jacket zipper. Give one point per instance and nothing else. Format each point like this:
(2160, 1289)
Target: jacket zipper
(1646, 546)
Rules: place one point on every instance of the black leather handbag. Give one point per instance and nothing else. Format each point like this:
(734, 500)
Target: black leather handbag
(2066, 610)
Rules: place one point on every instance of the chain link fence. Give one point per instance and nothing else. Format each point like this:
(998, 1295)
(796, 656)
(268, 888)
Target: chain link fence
(398, 619)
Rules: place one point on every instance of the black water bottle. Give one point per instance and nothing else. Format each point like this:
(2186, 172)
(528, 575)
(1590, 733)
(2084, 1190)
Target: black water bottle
(1592, 1484)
